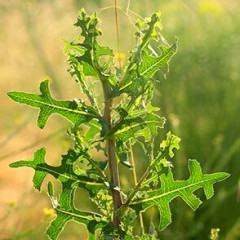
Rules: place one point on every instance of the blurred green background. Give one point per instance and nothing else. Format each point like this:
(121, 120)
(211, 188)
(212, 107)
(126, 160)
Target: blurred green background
(200, 99)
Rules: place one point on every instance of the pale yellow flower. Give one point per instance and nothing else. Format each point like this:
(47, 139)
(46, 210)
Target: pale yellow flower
(120, 59)
(49, 212)
(12, 203)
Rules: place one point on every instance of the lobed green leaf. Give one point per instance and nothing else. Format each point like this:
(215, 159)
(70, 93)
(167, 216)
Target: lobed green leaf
(171, 189)
(63, 173)
(74, 112)
(129, 126)
(144, 61)
(67, 212)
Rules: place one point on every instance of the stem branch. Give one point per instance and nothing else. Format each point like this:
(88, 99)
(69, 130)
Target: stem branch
(144, 177)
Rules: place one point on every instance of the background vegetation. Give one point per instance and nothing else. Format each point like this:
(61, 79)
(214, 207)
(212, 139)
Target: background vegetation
(200, 99)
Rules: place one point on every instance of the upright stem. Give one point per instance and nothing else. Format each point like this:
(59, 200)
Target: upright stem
(117, 31)
(135, 183)
(111, 152)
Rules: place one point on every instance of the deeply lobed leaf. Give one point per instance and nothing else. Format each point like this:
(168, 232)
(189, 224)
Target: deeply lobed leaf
(129, 127)
(171, 189)
(76, 113)
(70, 181)
(63, 173)
(66, 212)
(144, 62)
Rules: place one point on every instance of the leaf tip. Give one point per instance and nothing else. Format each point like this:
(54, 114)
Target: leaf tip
(12, 95)
(40, 124)
(44, 86)
(14, 165)
(224, 175)
(37, 187)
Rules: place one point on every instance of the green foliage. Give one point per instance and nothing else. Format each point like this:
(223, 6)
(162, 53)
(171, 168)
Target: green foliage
(76, 112)
(63, 173)
(171, 189)
(111, 128)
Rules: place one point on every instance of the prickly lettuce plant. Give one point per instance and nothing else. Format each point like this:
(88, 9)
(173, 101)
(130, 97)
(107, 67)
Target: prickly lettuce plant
(125, 117)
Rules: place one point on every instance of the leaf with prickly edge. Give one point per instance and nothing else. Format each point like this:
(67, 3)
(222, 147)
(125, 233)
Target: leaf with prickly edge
(66, 211)
(79, 72)
(122, 153)
(137, 86)
(91, 59)
(110, 232)
(94, 129)
(68, 109)
(166, 150)
(96, 59)
(63, 173)
(128, 127)
(144, 62)
(171, 143)
(171, 189)
(103, 201)
(160, 162)
(93, 167)
(151, 64)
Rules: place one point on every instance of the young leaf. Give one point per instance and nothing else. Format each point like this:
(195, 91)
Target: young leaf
(144, 62)
(94, 60)
(171, 189)
(151, 64)
(68, 109)
(171, 143)
(160, 162)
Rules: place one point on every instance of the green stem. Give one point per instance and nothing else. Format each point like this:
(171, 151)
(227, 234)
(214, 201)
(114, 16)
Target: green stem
(135, 183)
(117, 31)
(111, 152)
